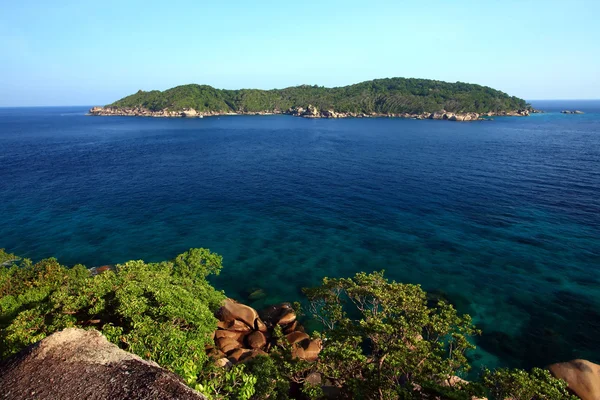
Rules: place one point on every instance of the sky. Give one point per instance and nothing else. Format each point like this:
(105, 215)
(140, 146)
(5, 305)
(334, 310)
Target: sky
(93, 53)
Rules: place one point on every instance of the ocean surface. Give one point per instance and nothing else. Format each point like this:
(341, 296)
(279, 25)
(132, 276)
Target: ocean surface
(502, 217)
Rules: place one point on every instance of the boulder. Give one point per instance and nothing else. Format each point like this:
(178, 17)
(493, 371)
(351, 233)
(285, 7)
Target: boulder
(221, 334)
(314, 378)
(272, 314)
(238, 355)
(256, 340)
(296, 337)
(190, 112)
(437, 114)
(82, 364)
(231, 310)
(582, 376)
(311, 352)
(311, 112)
(260, 326)
(287, 318)
(228, 344)
(577, 112)
(223, 363)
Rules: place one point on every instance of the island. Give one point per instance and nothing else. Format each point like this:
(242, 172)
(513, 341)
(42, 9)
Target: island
(390, 97)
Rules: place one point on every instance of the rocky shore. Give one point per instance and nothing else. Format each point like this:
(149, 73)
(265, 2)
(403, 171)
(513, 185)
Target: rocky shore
(309, 112)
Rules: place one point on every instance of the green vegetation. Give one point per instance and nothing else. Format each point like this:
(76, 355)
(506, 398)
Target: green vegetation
(380, 339)
(386, 96)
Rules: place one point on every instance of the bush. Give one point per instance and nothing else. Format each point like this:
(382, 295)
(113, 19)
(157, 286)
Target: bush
(159, 311)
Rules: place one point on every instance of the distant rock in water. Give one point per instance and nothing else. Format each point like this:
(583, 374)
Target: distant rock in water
(572, 112)
(82, 364)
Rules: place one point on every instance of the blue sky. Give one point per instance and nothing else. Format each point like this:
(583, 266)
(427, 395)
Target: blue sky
(92, 53)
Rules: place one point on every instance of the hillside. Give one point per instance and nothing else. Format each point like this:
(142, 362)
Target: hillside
(380, 96)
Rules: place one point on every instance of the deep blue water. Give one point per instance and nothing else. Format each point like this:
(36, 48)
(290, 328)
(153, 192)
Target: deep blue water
(501, 217)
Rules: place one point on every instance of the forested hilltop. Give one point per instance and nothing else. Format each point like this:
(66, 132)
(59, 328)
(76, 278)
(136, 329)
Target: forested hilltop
(391, 96)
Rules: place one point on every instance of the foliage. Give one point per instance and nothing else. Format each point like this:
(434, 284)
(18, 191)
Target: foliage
(222, 384)
(521, 385)
(391, 95)
(160, 311)
(383, 341)
(7, 258)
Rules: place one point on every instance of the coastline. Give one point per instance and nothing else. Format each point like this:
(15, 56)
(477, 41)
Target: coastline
(310, 112)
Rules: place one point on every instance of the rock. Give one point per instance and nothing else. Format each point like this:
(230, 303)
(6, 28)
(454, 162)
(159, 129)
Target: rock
(294, 326)
(256, 340)
(259, 325)
(311, 352)
(287, 318)
(238, 355)
(228, 344)
(582, 376)
(314, 378)
(296, 337)
(82, 364)
(454, 381)
(311, 112)
(224, 363)
(298, 352)
(221, 334)
(231, 310)
(272, 314)
(578, 112)
(189, 113)
(437, 114)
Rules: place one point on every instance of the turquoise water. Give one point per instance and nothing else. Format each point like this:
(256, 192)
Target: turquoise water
(502, 217)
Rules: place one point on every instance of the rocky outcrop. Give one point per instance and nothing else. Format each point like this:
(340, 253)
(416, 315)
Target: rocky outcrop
(572, 112)
(243, 334)
(80, 364)
(582, 376)
(310, 111)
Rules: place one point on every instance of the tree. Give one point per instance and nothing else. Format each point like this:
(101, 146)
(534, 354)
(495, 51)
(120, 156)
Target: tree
(383, 341)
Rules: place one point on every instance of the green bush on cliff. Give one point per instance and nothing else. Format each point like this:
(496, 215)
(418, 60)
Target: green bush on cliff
(160, 311)
(391, 95)
(380, 338)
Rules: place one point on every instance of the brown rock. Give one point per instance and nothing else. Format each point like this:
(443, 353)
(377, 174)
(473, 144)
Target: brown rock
(291, 327)
(232, 310)
(239, 326)
(311, 352)
(296, 337)
(223, 363)
(256, 340)
(582, 376)
(238, 355)
(298, 352)
(287, 318)
(82, 364)
(221, 334)
(260, 326)
(314, 378)
(228, 344)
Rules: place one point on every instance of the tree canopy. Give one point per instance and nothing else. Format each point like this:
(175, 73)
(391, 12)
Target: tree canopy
(385, 96)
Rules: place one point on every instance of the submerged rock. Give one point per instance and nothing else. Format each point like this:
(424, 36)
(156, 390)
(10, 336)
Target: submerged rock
(80, 364)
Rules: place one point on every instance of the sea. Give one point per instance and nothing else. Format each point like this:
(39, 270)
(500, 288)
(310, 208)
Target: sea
(501, 218)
